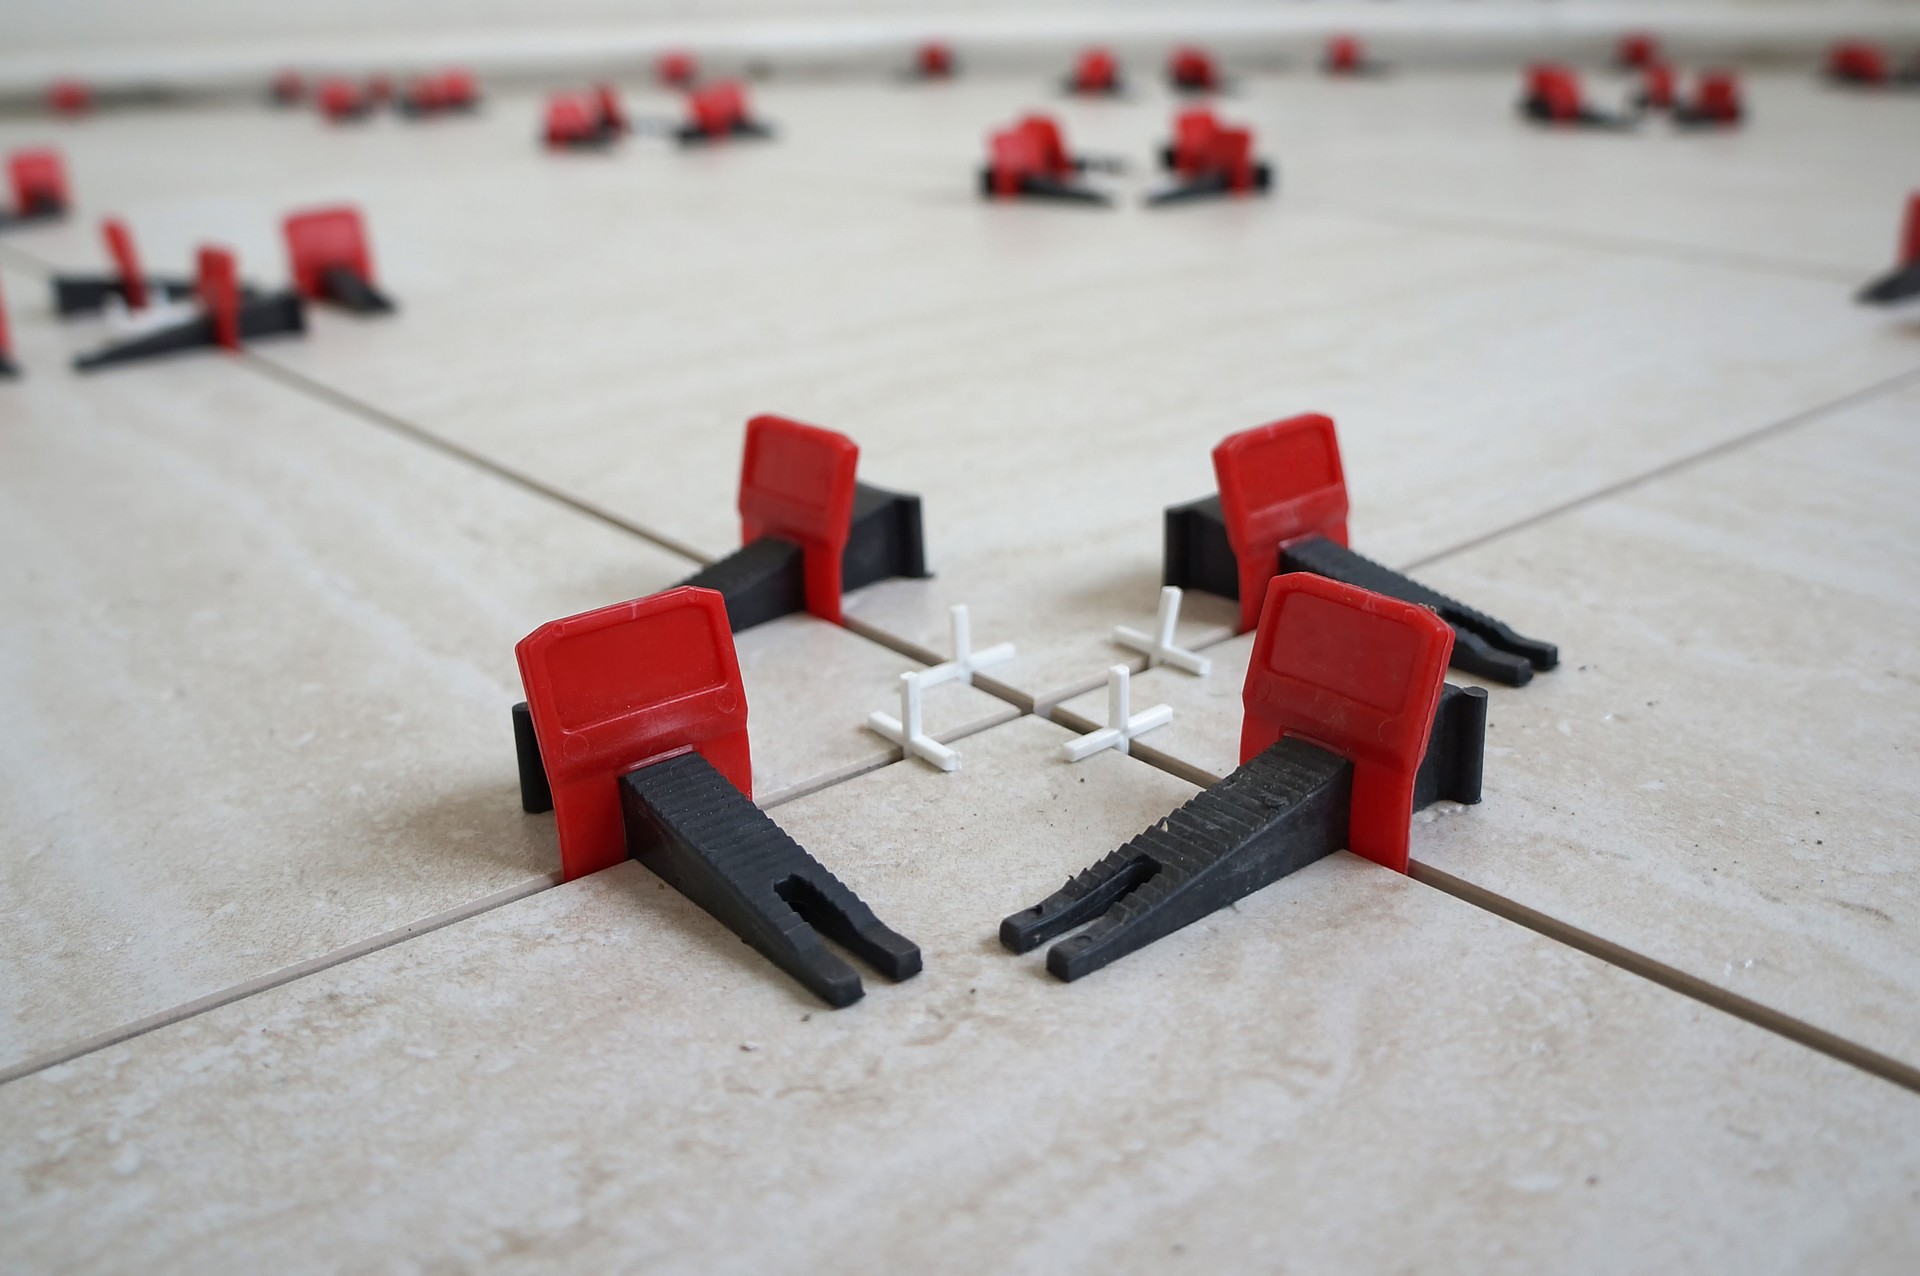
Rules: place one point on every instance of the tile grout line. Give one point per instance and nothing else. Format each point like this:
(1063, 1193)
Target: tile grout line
(301, 383)
(275, 979)
(1584, 240)
(1714, 452)
(1672, 978)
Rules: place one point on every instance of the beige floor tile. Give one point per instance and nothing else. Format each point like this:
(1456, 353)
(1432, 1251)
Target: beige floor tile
(1047, 379)
(1348, 1071)
(1815, 181)
(1720, 775)
(259, 656)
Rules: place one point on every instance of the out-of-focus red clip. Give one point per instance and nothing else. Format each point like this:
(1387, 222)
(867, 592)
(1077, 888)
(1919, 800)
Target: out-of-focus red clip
(327, 251)
(69, 97)
(676, 69)
(615, 689)
(1657, 92)
(797, 484)
(934, 60)
(1903, 282)
(341, 99)
(1637, 50)
(720, 111)
(126, 260)
(1097, 71)
(39, 181)
(573, 123)
(8, 368)
(1344, 55)
(1191, 70)
(288, 88)
(1858, 62)
(219, 289)
(1715, 103)
(1360, 675)
(1279, 483)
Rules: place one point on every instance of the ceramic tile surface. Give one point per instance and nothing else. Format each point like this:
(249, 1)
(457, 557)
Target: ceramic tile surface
(1720, 775)
(260, 681)
(1345, 1069)
(616, 318)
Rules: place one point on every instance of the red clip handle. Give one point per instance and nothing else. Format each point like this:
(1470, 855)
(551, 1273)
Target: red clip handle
(1279, 483)
(323, 239)
(133, 282)
(219, 289)
(39, 180)
(1910, 240)
(1359, 674)
(6, 336)
(614, 689)
(797, 483)
(676, 69)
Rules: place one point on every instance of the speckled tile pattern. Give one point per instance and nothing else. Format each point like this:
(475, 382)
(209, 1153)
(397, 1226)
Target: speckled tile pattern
(639, 306)
(600, 1076)
(259, 661)
(264, 878)
(1720, 775)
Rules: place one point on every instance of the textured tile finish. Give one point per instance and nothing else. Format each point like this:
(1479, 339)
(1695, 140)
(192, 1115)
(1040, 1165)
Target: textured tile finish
(258, 671)
(1342, 1072)
(1720, 776)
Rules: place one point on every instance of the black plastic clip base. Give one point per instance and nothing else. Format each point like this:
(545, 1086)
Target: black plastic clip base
(1199, 556)
(687, 823)
(1901, 285)
(1045, 188)
(88, 294)
(1536, 110)
(263, 316)
(1210, 186)
(694, 135)
(8, 368)
(37, 215)
(767, 579)
(346, 288)
(1282, 810)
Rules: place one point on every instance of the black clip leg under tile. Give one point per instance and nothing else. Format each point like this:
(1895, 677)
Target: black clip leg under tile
(690, 825)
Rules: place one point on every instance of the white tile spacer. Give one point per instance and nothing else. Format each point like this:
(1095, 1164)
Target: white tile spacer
(1120, 728)
(965, 658)
(906, 730)
(1158, 645)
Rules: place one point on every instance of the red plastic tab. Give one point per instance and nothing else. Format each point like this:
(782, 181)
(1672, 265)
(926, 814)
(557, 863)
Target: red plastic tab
(716, 109)
(322, 239)
(1557, 88)
(1638, 49)
(1910, 238)
(796, 482)
(1344, 54)
(219, 289)
(39, 180)
(340, 99)
(677, 69)
(1359, 674)
(1193, 132)
(133, 283)
(1278, 484)
(1718, 96)
(607, 108)
(1050, 144)
(6, 336)
(1656, 85)
(569, 120)
(935, 60)
(614, 689)
(1858, 60)
(458, 89)
(1098, 71)
(69, 97)
(1192, 68)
